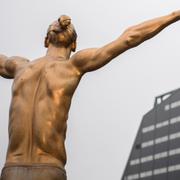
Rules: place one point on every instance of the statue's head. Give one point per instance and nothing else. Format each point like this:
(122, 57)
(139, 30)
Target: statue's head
(61, 33)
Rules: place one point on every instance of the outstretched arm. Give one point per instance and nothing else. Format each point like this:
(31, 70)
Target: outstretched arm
(9, 66)
(92, 59)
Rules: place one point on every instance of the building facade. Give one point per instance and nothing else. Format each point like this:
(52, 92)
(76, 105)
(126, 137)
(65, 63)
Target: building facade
(155, 154)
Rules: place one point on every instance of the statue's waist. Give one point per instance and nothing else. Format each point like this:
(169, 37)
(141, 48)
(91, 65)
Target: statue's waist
(34, 162)
(35, 165)
(21, 156)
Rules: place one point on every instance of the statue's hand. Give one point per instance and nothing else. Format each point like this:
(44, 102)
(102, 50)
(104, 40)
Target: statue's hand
(177, 13)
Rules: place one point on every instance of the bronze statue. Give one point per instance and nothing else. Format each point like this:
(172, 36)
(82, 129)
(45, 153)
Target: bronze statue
(42, 93)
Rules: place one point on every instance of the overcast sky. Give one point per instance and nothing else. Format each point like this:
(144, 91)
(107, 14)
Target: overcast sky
(109, 104)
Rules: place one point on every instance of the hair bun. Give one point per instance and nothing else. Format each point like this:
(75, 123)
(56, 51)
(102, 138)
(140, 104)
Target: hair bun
(64, 21)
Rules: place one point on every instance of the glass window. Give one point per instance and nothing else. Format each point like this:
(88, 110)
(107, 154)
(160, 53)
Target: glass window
(167, 107)
(174, 135)
(175, 120)
(161, 139)
(148, 143)
(161, 155)
(146, 174)
(174, 151)
(134, 162)
(162, 124)
(146, 159)
(133, 176)
(174, 168)
(147, 129)
(160, 171)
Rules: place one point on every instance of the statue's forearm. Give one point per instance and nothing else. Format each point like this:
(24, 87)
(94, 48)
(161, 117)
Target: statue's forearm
(139, 33)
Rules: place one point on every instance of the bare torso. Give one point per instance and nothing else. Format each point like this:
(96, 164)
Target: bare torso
(43, 89)
(41, 98)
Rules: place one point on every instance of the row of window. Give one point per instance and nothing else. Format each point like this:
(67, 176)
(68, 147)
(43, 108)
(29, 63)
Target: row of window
(172, 105)
(153, 172)
(161, 124)
(155, 157)
(160, 140)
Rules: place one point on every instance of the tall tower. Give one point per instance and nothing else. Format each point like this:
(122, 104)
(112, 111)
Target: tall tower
(155, 154)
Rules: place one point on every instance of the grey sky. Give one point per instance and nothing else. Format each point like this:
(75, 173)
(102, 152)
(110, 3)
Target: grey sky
(108, 105)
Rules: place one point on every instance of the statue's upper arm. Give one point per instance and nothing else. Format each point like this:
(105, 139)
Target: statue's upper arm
(95, 58)
(83, 59)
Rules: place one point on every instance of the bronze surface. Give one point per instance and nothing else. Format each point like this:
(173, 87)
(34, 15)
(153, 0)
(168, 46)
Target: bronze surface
(42, 89)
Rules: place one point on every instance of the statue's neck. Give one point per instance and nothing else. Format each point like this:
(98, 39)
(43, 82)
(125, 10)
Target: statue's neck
(58, 52)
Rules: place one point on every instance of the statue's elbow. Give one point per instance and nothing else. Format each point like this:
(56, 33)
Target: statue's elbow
(133, 37)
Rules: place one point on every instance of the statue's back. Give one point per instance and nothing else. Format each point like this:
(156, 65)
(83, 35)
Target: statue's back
(41, 98)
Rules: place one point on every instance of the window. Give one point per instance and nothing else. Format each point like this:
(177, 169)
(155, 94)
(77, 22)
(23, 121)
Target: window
(134, 162)
(148, 143)
(132, 177)
(146, 174)
(147, 129)
(162, 124)
(161, 155)
(175, 104)
(146, 159)
(167, 107)
(174, 136)
(175, 120)
(161, 139)
(172, 105)
(174, 152)
(174, 168)
(160, 171)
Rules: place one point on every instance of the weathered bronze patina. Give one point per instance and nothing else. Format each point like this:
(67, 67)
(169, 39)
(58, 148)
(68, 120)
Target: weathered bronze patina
(42, 91)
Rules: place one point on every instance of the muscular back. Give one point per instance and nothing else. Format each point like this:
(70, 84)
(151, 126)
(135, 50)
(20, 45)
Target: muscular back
(43, 89)
(41, 98)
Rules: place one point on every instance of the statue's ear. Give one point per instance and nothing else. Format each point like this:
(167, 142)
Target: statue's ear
(46, 42)
(73, 46)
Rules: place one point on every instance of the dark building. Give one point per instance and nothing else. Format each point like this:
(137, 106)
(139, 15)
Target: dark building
(155, 154)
